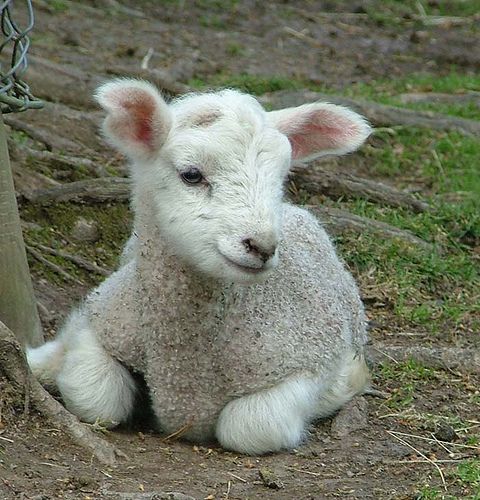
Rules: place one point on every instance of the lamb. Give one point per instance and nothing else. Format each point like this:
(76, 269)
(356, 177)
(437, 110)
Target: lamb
(230, 302)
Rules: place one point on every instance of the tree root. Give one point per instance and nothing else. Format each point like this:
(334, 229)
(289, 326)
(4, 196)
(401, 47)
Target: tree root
(14, 366)
(378, 114)
(454, 359)
(471, 97)
(338, 221)
(54, 267)
(118, 189)
(76, 259)
(21, 154)
(41, 135)
(318, 180)
(92, 190)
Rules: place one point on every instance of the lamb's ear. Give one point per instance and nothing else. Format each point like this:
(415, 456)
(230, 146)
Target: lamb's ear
(138, 119)
(320, 129)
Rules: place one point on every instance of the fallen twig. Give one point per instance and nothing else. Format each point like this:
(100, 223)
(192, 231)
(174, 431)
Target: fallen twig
(303, 471)
(237, 477)
(40, 135)
(440, 98)
(434, 440)
(22, 154)
(442, 477)
(178, 433)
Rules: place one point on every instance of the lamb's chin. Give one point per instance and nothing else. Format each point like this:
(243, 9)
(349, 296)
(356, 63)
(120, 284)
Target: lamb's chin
(233, 274)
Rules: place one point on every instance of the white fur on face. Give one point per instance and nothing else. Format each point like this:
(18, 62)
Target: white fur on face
(244, 162)
(227, 226)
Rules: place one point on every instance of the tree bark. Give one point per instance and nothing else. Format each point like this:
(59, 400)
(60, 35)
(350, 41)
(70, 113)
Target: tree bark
(18, 309)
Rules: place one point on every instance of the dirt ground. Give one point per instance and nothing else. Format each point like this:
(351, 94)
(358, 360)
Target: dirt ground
(355, 455)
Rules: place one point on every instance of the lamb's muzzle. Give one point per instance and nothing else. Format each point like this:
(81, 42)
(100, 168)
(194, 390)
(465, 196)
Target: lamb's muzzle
(262, 251)
(231, 303)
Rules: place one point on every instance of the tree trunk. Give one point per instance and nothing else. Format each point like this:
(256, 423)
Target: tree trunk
(18, 309)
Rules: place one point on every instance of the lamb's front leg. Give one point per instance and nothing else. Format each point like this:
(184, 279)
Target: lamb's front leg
(269, 420)
(277, 418)
(94, 386)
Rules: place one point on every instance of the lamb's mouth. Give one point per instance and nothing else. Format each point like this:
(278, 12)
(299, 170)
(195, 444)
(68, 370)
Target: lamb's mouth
(245, 269)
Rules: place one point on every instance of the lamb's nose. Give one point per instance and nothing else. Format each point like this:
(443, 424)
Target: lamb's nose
(264, 252)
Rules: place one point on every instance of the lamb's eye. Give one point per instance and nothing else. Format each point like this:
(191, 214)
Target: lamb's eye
(192, 176)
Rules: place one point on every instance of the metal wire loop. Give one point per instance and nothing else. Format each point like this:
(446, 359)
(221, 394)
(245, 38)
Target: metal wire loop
(15, 95)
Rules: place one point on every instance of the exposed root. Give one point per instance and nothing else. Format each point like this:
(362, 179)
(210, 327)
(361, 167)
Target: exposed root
(318, 180)
(338, 221)
(76, 259)
(93, 190)
(54, 267)
(455, 359)
(14, 366)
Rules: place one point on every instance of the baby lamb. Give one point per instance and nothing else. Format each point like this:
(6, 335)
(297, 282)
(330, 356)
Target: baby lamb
(231, 303)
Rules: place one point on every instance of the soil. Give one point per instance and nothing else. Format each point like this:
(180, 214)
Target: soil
(350, 456)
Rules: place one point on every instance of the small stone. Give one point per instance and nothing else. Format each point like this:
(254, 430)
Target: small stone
(352, 417)
(418, 36)
(85, 230)
(445, 432)
(269, 479)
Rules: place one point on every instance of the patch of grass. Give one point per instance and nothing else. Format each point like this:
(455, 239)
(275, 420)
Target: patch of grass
(213, 21)
(468, 474)
(217, 5)
(19, 136)
(57, 5)
(386, 91)
(56, 223)
(235, 49)
(407, 377)
(398, 12)
(429, 493)
(436, 290)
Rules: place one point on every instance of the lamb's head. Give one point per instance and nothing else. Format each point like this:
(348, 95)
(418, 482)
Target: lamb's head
(212, 167)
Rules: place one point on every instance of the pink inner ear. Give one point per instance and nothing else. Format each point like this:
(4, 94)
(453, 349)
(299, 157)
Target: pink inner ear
(133, 119)
(322, 130)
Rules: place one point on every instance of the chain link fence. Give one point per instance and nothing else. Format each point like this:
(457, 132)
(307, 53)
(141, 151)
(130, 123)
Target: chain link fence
(15, 94)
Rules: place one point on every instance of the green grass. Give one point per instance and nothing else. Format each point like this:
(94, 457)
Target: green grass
(436, 290)
(468, 473)
(408, 378)
(465, 476)
(386, 91)
(402, 12)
